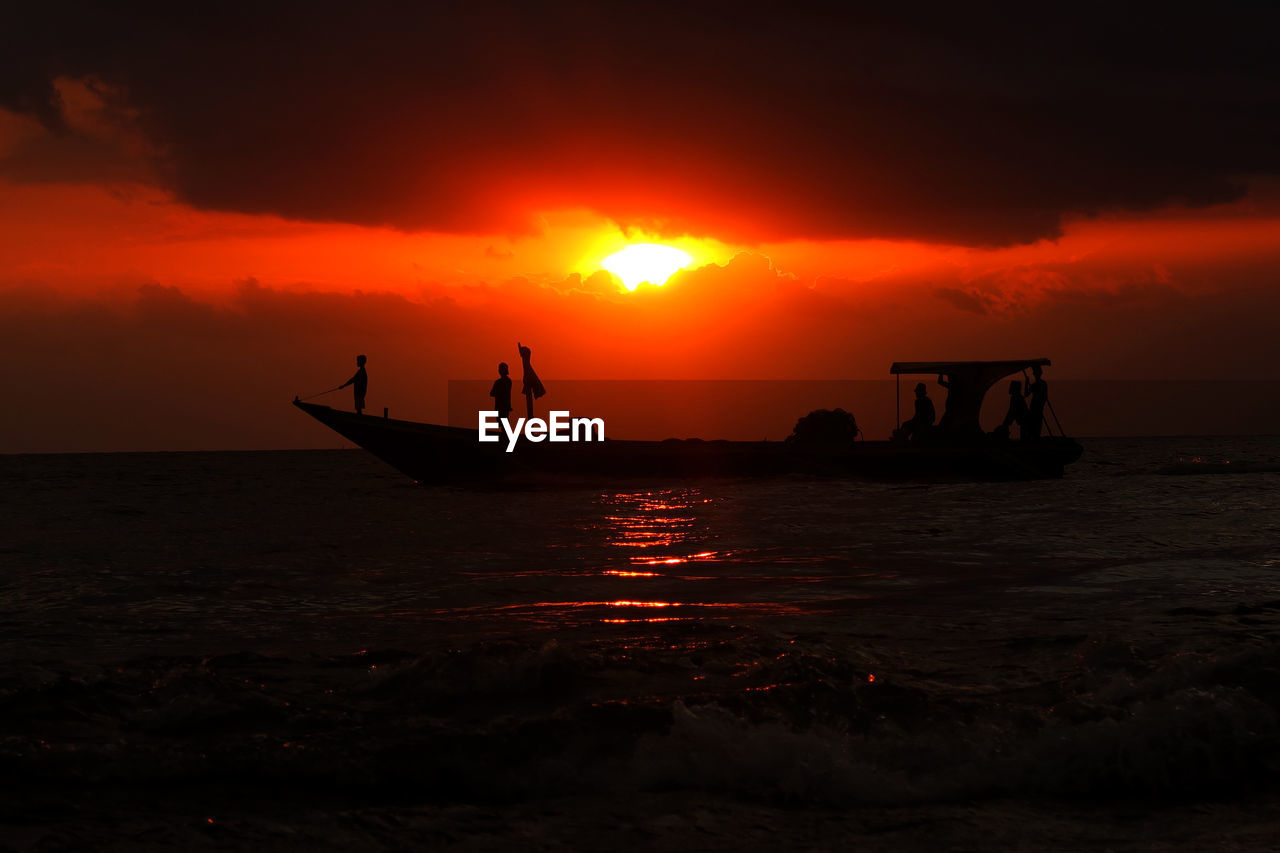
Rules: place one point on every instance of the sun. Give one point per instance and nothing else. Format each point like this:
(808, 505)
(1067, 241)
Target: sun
(651, 262)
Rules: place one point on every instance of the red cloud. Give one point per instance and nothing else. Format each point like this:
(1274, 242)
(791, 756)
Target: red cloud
(164, 370)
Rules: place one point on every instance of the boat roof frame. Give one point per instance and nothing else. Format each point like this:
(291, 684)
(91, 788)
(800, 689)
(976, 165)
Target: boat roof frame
(925, 367)
(970, 381)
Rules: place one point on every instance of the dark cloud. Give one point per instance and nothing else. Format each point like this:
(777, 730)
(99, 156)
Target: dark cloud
(71, 157)
(748, 121)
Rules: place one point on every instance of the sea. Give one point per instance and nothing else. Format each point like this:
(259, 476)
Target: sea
(303, 650)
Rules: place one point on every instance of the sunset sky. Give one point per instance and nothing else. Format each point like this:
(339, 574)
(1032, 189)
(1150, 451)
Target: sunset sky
(203, 213)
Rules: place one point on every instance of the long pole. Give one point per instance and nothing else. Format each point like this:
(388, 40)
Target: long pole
(1049, 403)
(897, 401)
(321, 394)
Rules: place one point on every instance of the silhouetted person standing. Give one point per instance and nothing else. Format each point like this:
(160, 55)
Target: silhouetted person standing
(960, 411)
(947, 415)
(501, 391)
(359, 384)
(1017, 413)
(1038, 391)
(532, 385)
(922, 421)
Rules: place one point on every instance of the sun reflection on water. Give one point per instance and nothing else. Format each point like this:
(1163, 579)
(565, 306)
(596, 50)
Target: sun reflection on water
(663, 525)
(663, 518)
(660, 556)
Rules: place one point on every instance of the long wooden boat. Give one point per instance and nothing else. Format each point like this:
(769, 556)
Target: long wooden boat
(430, 453)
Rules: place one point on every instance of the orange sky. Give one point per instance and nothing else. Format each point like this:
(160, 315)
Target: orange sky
(201, 325)
(171, 275)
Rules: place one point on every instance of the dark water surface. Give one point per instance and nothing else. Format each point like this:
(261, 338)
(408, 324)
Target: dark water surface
(301, 650)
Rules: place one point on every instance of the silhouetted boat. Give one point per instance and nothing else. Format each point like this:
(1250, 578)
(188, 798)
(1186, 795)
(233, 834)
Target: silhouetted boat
(432, 453)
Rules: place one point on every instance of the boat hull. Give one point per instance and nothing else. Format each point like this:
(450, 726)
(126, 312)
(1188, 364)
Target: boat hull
(431, 453)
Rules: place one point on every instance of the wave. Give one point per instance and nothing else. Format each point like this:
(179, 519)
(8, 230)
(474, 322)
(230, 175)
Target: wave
(792, 725)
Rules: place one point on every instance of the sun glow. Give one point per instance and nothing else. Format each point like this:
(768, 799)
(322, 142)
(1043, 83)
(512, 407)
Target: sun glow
(641, 262)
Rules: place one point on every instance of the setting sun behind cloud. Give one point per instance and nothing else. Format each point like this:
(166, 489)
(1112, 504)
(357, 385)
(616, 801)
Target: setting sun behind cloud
(641, 262)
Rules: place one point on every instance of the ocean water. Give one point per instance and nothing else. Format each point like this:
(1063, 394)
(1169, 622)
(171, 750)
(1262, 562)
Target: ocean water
(303, 650)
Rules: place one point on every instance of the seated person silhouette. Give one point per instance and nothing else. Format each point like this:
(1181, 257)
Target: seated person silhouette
(501, 391)
(359, 384)
(922, 421)
(1017, 413)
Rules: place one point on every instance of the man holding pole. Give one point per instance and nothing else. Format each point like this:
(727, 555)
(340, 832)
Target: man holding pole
(1038, 391)
(359, 384)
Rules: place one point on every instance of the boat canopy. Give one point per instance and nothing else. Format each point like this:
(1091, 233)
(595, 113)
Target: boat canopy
(974, 367)
(968, 382)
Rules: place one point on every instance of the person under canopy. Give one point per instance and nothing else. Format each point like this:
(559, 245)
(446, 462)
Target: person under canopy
(967, 383)
(922, 421)
(1038, 391)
